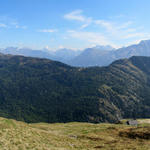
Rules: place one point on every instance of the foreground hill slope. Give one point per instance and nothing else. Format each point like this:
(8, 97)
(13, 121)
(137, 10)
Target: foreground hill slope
(72, 136)
(35, 90)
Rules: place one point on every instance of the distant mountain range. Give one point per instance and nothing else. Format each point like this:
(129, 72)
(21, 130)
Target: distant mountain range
(96, 56)
(63, 55)
(104, 57)
(41, 90)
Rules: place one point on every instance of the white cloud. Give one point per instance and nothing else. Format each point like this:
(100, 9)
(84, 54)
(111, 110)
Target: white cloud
(48, 30)
(20, 27)
(115, 28)
(90, 37)
(16, 25)
(120, 16)
(2, 25)
(106, 24)
(88, 21)
(9, 24)
(125, 25)
(61, 47)
(120, 31)
(109, 30)
(138, 34)
(77, 16)
(112, 28)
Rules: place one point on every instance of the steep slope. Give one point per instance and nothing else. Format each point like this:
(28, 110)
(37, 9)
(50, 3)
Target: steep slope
(63, 55)
(103, 57)
(35, 90)
(141, 49)
(96, 56)
(28, 52)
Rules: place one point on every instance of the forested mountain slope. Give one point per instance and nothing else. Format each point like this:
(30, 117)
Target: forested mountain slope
(35, 90)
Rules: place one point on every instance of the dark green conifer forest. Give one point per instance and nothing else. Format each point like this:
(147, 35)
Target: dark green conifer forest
(41, 90)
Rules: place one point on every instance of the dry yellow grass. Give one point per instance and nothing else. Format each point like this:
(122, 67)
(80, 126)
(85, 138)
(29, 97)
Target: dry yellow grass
(144, 121)
(16, 135)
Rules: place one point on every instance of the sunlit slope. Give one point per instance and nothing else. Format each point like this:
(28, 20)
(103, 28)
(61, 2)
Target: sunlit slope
(72, 136)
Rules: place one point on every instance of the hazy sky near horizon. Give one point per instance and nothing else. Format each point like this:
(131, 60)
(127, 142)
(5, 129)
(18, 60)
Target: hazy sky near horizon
(73, 23)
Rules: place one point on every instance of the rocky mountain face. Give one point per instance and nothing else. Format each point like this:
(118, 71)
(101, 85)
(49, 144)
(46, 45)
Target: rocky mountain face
(104, 57)
(63, 55)
(95, 56)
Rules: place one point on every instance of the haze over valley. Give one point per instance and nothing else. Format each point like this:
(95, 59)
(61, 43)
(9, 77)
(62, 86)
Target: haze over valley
(95, 56)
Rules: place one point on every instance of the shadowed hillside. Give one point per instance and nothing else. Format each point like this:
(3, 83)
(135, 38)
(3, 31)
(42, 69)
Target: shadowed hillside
(35, 90)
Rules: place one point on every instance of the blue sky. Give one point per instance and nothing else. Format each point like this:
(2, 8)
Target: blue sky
(73, 23)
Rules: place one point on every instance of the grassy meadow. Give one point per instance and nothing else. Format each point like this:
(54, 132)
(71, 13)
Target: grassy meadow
(15, 135)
